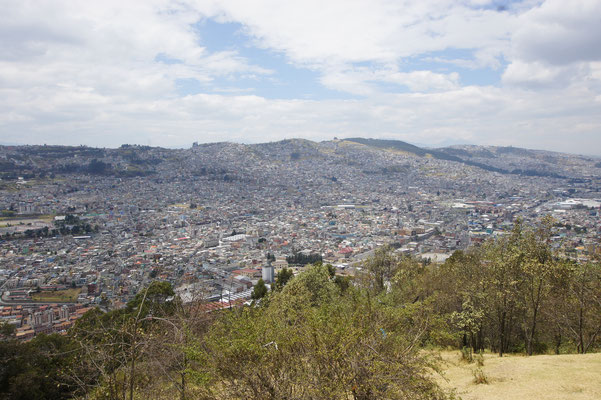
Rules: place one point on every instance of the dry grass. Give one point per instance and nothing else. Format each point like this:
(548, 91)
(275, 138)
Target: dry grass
(180, 205)
(18, 219)
(546, 377)
(59, 296)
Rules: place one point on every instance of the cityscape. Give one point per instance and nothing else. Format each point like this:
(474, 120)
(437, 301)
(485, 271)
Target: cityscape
(84, 227)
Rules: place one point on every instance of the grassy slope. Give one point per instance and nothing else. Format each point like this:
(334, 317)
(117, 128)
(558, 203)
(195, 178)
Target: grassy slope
(546, 377)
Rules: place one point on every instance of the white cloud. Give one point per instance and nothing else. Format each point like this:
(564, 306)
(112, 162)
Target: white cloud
(555, 45)
(422, 81)
(337, 32)
(333, 37)
(110, 46)
(538, 75)
(364, 81)
(559, 32)
(100, 72)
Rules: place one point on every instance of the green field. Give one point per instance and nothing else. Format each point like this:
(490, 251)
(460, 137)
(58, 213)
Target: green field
(544, 377)
(25, 219)
(59, 296)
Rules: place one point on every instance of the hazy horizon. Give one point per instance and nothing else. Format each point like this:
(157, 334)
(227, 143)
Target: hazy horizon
(421, 145)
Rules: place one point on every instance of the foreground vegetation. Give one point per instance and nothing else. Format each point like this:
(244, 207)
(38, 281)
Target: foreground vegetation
(322, 336)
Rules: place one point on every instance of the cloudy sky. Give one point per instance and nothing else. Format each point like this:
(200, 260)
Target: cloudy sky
(168, 73)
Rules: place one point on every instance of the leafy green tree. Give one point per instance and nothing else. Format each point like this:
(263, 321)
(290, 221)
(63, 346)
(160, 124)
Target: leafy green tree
(408, 280)
(503, 262)
(313, 342)
(343, 282)
(469, 321)
(315, 285)
(537, 267)
(259, 291)
(282, 278)
(156, 299)
(461, 281)
(331, 270)
(39, 369)
(7, 330)
(576, 306)
(299, 258)
(381, 267)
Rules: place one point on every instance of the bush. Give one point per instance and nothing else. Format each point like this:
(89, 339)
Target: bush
(479, 359)
(480, 377)
(467, 355)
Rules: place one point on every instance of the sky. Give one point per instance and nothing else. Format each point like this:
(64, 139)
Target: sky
(172, 72)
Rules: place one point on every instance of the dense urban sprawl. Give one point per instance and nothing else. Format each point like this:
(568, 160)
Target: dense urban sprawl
(85, 227)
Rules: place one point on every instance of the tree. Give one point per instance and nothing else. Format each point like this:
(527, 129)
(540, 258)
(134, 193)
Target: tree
(155, 300)
(381, 267)
(331, 270)
(98, 167)
(343, 282)
(168, 362)
(259, 291)
(7, 330)
(407, 280)
(577, 306)
(536, 270)
(469, 321)
(282, 277)
(38, 369)
(503, 262)
(313, 342)
(111, 346)
(299, 258)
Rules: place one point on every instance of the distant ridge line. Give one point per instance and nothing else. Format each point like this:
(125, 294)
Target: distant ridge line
(442, 155)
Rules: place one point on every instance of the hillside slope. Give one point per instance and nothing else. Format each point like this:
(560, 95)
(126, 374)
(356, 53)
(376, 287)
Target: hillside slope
(503, 160)
(267, 162)
(544, 377)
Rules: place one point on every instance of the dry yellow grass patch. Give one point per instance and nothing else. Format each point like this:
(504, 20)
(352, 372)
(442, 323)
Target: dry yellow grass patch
(400, 152)
(350, 144)
(180, 205)
(60, 296)
(546, 377)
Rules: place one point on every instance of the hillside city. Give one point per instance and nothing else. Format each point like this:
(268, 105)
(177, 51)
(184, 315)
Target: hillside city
(82, 227)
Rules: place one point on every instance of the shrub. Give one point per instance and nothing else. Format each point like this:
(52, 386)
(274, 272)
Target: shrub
(479, 376)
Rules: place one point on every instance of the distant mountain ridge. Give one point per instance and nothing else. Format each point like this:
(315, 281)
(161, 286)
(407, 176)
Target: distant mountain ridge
(235, 161)
(453, 154)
